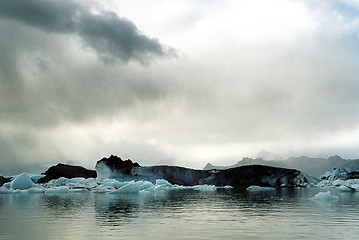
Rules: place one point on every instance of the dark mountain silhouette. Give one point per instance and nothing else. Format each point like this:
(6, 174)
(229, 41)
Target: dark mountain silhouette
(313, 166)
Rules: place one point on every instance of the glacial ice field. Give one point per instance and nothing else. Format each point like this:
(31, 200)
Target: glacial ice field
(26, 183)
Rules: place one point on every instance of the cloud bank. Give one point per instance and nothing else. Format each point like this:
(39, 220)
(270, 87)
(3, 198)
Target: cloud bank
(103, 31)
(79, 82)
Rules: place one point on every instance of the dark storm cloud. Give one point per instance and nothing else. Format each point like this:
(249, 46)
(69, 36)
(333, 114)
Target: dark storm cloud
(43, 78)
(103, 31)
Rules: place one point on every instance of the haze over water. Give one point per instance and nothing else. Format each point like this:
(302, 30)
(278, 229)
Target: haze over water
(180, 214)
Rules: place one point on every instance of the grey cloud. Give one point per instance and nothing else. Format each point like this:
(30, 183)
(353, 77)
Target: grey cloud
(246, 95)
(43, 83)
(105, 32)
(110, 35)
(19, 153)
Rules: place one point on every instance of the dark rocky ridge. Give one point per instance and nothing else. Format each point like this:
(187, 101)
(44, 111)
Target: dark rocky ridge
(314, 166)
(236, 177)
(260, 175)
(115, 162)
(3, 180)
(173, 174)
(67, 171)
(126, 170)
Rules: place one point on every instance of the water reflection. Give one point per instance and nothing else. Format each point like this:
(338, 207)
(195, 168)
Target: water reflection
(63, 204)
(224, 214)
(118, 209)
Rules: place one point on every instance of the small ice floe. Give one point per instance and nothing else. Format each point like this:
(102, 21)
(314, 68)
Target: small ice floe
(57, 190)
(36, 177)
(57, 182)
(146, 185)
(22, 182)
(205, 188)
(325, 197)
(35, 189)
(113, 183)
(5, 190)
(343, 178)
(255, 188)
(346, 188)
(131, 187)
(355, 186)
(163, 182)
(6, 185)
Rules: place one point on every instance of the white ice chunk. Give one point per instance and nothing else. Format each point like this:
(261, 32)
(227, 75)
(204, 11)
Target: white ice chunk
(205, 188)
(179, 187)
(104, 189)
(255, 188)
(58, 182)
(163, 182)
(155, 189)
(325, 197)
(131, 187)
(103, 171)
(109, 182)
(78, 180)
(5, 190)
(338, 182)
(7, 185)
(345, 188)
(146, 184)
(326, 175)
(57, 190)
(78, 190)
(352, 181)
(355, 186)
(35, 190)
(23, 181)
(36, 177)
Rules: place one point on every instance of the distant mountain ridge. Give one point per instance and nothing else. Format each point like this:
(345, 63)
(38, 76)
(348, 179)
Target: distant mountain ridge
(313, 166)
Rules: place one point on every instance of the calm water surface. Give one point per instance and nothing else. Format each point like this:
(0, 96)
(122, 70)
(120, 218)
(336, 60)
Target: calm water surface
(180, 214)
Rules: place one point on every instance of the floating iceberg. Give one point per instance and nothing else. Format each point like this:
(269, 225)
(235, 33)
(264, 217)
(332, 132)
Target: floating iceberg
(325, 197)
(205, 188)
(163, 182)
(131, 187)
(258, 188)
(344, 179)
(57, 190)
(22, 181)
(346, 189)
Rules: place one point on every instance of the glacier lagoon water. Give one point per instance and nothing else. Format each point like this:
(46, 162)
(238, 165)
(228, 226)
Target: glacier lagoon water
(181, 214)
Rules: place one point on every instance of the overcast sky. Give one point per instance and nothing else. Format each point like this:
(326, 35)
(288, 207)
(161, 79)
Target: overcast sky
(176, 81)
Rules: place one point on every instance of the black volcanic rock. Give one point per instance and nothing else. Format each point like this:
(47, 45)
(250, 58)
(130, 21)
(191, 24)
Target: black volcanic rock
(253, 175)
(352, 175)
(3, 180)
(117, 164)
(67, 171)
(173, 174)
(115, 167)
